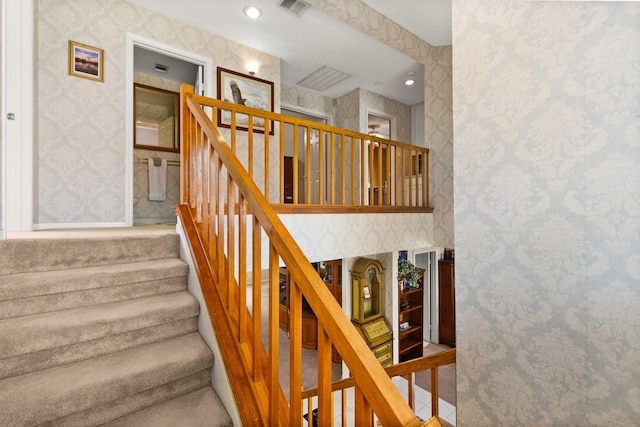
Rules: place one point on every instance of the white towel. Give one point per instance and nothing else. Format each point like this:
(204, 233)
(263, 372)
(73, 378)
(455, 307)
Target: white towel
(158, 181)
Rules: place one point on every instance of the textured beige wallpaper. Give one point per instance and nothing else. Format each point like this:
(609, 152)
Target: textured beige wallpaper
(438, 100)
(547, 193)
(81, 123)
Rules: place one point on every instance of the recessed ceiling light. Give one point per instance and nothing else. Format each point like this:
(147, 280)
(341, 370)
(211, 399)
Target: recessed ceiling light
(252, 12)
(409, 82)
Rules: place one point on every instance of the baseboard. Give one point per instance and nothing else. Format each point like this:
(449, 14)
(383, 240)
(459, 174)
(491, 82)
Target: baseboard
(58, 225)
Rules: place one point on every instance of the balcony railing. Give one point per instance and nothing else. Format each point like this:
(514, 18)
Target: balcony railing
(303, 164)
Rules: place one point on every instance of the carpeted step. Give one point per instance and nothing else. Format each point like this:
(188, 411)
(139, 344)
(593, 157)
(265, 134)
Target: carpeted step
(43, 396)
(28, 334)
(101, 414)
(196, 409)
(25, 294)
(57, 356)
(25, 255)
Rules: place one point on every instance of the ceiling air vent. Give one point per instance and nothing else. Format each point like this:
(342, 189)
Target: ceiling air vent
(323, 78)
(297, 7)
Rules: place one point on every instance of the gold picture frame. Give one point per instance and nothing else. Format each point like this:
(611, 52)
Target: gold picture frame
(86, 61)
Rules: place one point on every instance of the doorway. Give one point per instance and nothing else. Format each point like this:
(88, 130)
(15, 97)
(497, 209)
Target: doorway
(294, 158)
(153, 174)
(428, 260)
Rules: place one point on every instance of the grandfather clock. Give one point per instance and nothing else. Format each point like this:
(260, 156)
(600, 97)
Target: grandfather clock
(366, 313)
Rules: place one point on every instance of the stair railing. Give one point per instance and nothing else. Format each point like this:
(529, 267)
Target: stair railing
(228, 221)
(405, 369)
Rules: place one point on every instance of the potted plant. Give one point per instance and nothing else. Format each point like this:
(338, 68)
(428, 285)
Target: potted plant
(408, 273)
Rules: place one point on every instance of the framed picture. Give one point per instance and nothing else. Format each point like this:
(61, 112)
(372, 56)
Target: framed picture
(86, 61)
(244, 90)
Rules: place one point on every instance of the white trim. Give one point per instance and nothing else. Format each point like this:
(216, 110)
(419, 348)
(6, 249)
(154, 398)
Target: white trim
(59, 225)
(431, 305)
(155, 46)
(17, 135)
(314, 113)
(3, 128)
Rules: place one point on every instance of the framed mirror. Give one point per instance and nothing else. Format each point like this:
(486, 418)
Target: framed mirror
(156, 120)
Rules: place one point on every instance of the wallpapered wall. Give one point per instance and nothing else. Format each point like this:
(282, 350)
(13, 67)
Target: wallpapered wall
(438, 100)
(296, 96)
(81, 123)
(547, 194)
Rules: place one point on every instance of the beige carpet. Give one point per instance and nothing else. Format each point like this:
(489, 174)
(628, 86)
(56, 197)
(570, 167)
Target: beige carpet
(446, 375)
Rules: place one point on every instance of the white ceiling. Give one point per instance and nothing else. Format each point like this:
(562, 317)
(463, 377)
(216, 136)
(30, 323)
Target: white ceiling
(308, 42)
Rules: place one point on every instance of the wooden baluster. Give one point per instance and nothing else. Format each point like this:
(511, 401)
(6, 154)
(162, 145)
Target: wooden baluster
(434, 392)
(295, 164)
(273, 328)
(425, 180)
(310, 411)
(222, 282)
(231, 247)
(198, 177)
(344, 406)
(321, 167)
(402, 174)
(386, 178)
(325, 399)
(214, 165)
(242, 268)
(266, 152)
(342, 171)
(281, 155)
(371, 170)
(362, 410)
(250, 147)
(414, 193)
(410, 391)
(353, 171)
(234, 133)
(256, 283)
(205, 190)
(295, 352)
(332, 170)
(378, 151)
(308, 166)
(396, 178)
(363, 166)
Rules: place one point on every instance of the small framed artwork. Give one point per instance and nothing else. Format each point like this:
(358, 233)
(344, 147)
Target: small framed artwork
(244, 90)
(86, 61)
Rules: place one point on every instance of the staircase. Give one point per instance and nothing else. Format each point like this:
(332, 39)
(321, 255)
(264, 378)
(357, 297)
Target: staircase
(101, 331)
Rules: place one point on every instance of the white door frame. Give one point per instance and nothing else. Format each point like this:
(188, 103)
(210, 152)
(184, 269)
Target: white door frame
(431, 298)
(17, 98)
(136, 40)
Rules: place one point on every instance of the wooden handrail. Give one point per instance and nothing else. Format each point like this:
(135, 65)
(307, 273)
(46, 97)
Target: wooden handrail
(217, 192)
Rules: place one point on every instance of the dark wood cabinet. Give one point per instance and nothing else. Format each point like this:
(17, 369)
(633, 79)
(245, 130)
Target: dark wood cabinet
(447, 302)
(331, 274)
(410, 321)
